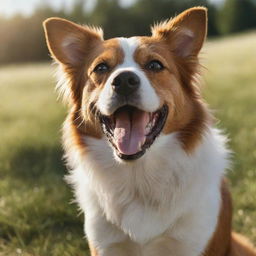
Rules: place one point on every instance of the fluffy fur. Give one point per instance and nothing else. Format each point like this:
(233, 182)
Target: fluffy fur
(173, 200)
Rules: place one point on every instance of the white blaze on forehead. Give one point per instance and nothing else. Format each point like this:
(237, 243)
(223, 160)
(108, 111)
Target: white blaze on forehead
(148, 99)
(129, 45)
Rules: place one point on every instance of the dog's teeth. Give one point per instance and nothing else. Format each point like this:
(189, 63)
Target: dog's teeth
(141, 144)
(154, 119)
(149, 127)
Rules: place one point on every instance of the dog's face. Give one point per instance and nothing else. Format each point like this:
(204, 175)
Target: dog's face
(132, 89)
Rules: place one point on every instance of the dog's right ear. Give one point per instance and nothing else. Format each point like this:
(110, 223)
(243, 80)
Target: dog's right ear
(68, 42)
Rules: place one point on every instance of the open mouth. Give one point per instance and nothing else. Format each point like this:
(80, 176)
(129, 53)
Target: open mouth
(131, 130)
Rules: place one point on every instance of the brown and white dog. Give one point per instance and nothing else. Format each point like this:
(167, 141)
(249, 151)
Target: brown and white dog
(146, 163)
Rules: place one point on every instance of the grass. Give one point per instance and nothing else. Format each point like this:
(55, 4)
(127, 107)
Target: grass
(231, 92)
(36, 217)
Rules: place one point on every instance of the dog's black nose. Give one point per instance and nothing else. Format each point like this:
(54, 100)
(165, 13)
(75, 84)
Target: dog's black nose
(126, 83)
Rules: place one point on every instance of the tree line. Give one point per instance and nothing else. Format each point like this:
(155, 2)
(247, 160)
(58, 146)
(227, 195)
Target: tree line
(22, 39)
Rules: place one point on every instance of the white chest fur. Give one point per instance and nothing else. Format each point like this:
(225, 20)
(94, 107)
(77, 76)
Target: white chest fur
(165, 192)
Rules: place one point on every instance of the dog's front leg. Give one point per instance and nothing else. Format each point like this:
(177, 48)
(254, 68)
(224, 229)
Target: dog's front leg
(105, 239)
(126, 248)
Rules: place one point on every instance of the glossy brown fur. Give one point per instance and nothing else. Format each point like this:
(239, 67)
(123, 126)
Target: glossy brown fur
(225, 242)
(220, 242)
(240, 246)
(187, 112)
(176, 85)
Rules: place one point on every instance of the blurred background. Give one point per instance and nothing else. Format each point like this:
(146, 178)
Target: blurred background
(36, 214)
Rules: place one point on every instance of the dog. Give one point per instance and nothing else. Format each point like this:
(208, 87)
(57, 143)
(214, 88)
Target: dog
(147, 165)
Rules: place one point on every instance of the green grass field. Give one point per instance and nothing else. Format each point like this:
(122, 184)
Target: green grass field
(36, 217)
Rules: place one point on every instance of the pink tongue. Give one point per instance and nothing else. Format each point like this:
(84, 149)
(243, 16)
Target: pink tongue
(129, 132)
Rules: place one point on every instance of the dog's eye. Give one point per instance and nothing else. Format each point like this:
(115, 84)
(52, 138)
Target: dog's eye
(101, 68)
(155, 65)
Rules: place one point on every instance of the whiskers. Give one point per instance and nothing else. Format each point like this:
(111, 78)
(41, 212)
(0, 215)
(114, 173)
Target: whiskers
(78, 117)
(86, 115)
(92, 113)
(82, 120)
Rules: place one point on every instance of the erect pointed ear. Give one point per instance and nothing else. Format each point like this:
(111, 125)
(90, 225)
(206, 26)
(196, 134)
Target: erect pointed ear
(185, 33)
(68, 42)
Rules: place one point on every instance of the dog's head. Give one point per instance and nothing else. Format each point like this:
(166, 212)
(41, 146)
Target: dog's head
(132, 89)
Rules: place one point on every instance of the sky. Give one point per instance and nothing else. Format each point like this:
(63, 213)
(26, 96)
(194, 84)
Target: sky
(26, 7)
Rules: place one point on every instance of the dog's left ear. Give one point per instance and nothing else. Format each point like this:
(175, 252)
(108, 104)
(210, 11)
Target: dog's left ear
(185, 33)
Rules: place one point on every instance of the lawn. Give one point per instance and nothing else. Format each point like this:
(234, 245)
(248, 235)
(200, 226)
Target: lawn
(37, 217)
